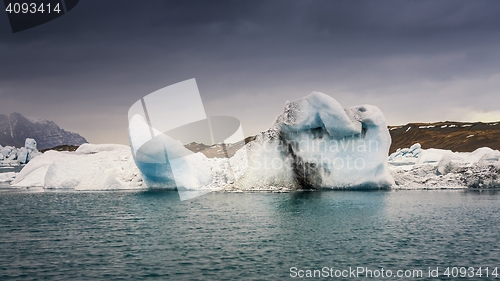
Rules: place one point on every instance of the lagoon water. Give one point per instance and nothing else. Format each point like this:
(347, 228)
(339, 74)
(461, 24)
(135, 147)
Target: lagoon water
(243, 236)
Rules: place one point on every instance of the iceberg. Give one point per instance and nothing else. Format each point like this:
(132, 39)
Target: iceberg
(161, 123)
(90, 167)
(439, 169)
(11, 156)
(406, 156)
(164, 162)
(315, 143)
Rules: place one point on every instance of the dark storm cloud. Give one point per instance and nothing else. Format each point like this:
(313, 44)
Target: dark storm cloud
(416, 60)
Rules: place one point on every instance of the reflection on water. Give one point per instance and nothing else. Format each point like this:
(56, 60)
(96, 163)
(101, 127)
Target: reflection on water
(144, 235)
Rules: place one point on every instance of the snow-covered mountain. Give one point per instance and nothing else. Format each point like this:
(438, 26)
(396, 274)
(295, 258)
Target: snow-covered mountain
(15, 128)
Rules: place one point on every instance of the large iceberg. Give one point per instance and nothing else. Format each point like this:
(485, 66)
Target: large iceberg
(315, 143)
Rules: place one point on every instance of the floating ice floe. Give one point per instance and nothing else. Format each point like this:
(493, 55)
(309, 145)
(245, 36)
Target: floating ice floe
(405, 156)
(90, 167)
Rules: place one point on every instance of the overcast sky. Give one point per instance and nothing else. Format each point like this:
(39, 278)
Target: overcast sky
(419, 61)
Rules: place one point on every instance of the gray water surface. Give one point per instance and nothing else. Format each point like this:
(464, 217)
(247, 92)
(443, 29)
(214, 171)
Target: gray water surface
(242, 236)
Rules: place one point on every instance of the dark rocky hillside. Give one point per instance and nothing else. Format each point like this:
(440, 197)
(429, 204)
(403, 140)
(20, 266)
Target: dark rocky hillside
(15, 128)
(455, 136)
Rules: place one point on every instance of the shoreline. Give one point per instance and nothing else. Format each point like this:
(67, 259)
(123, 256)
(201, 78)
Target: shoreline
(5, 187)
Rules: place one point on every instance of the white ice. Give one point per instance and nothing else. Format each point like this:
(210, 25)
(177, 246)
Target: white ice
(315, 143)
(164, 162)
(91, 167)
(11, 156)
(439, 168)
(7, 177)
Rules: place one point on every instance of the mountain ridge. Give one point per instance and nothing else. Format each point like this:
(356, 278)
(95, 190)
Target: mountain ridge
(15, 128)
(451, 135)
